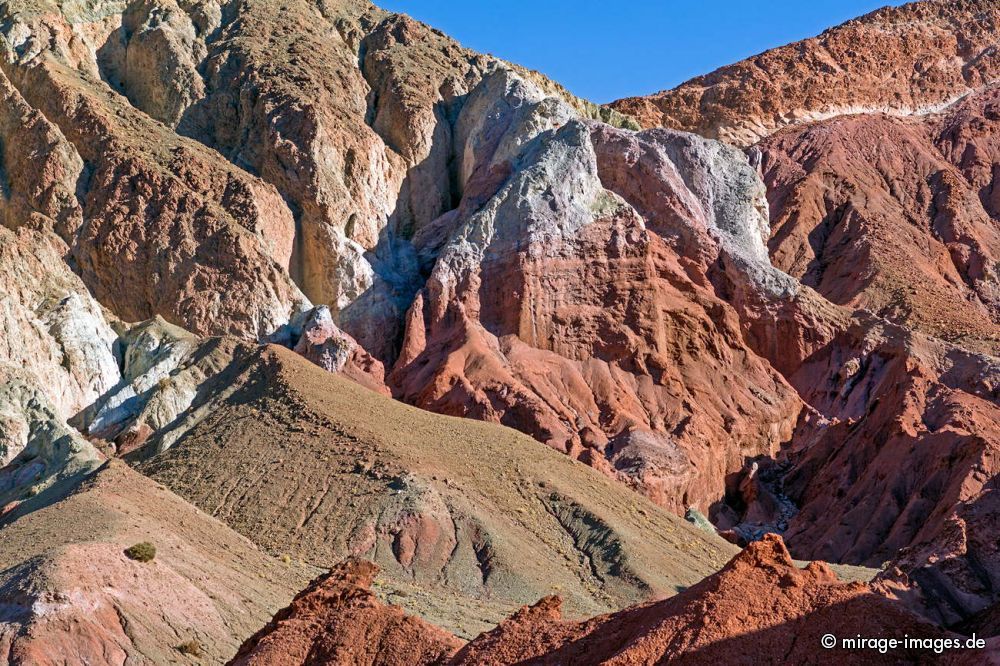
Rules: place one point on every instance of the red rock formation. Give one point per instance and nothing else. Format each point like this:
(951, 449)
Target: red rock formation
(338, 620)
(889, 214)
(895, 216)
(760, 608)
(576, 305)
(871, 212)
(900, 442)
(609, 293)
(900, 60)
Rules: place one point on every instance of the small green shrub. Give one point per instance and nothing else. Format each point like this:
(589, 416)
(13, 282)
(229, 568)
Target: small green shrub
(141, 552)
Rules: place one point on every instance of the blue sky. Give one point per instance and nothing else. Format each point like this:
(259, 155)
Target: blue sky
(606, 50)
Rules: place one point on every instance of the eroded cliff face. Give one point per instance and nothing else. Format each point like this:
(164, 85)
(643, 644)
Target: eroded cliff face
(51, 326)
(155, 224)
(894, 216)
(876, 143)
(560, 309)
(355, 166)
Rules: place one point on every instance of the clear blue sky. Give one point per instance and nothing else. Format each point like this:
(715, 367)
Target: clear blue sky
(606, 50)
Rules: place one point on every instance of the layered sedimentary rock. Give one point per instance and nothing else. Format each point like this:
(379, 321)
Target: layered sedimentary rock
(353, 124)
(800, 337)
(359, 177)
(879, 395)
(322, 342)
(759, 608)
(877, 146)
(37, 449)
(164, 370)
(899, 60)
(894, 216)
(572, 298)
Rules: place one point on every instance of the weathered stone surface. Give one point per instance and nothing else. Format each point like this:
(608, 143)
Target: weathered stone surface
(338, 620)
(164, 372)
(573, 303)
(171, 228)
(323, 343)
(477, 517)
(50, 327)
(877, 143)
(904, 60)
(759, 604)
(37, 449)
(759, 608)
(473, 230)
(354, 124)
(154, 56)
(869, 212)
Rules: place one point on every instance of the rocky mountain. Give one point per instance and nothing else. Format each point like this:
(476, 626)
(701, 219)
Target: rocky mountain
(454, 506)
(911, 60)
(879, 167)
(284, 285)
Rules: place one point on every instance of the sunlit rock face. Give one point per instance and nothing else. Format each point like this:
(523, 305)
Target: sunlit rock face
(573, 298)
(910, 60)
(50, 326)
(797, 335)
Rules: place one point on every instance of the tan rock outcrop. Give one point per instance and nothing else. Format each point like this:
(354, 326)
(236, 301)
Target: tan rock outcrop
(50, 327)
(171, 227)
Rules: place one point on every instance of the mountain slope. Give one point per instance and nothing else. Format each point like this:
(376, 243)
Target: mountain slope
(906, 60)
(71, 595)
(876, 143)
(799, 337)
(329, 470)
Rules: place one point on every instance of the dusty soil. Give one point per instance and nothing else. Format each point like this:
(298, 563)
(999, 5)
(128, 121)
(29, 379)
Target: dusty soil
(448, 504)
(72, 596)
